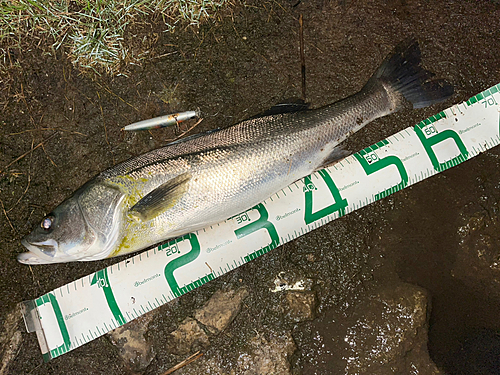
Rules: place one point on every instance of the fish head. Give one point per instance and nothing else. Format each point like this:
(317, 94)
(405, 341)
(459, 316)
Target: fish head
(64, 235)
(84, 227)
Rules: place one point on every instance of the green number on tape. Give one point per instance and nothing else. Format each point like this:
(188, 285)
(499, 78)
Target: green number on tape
(50, 298)
(371, 164)
(182, 261)
(260, 223)
(437, 138)
(101, 279)
(339, 205)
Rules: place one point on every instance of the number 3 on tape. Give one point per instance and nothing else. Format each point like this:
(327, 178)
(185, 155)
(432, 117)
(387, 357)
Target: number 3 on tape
(261, 223)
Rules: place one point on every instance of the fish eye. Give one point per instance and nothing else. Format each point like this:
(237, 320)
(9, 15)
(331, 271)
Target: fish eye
(47, 222)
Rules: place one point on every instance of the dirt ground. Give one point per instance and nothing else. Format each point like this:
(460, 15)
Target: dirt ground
(233, 67)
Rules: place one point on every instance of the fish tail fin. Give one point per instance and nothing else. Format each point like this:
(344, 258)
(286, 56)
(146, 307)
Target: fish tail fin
(402, 75)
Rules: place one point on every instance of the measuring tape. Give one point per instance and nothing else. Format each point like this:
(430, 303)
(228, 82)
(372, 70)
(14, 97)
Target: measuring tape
(85, 309)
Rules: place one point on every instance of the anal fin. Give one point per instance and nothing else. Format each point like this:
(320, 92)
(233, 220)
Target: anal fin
(335, 156)
(160, 199)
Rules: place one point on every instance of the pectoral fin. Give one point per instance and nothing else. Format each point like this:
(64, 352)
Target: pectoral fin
(160, 199)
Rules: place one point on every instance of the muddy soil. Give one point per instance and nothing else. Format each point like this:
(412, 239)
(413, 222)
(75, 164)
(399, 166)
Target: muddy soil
(440, 235)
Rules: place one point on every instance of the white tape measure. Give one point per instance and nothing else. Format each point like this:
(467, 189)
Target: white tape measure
(85, 309)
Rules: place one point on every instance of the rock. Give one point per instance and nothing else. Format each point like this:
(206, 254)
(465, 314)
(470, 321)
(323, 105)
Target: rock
(267, 356)
(10, 340)
(131, 344)
(385, 333)
(260, 356)
(189, 336)
(215, 316)
(478, 258)
(301, 305)
(221, 309)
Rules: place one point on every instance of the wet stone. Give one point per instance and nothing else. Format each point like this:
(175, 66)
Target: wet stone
(301, 305)
(389, 332)
(267, 356)
(221, 309)
(478, 257)
(384, 333)
(261, 355)
(135, 351)
(189, 336)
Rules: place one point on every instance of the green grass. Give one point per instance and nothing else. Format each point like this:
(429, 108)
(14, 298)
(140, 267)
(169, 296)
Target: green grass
(92, 32)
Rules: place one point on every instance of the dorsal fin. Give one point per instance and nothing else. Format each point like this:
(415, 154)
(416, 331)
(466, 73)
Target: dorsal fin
(290, 106)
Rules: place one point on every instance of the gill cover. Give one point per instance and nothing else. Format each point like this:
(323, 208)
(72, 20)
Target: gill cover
(83, 227)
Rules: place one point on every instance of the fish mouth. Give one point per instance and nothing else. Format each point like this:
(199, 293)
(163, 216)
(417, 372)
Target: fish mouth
(30, 258)
(35, 255)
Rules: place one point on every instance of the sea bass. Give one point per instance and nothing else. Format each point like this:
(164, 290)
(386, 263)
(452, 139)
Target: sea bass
(205, 179)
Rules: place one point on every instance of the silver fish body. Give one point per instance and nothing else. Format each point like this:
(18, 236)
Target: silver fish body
(200, 181)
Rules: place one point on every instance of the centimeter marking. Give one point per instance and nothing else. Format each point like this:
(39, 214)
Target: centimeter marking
(126, 290)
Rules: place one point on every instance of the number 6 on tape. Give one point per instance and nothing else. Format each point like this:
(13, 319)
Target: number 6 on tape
(434, 138)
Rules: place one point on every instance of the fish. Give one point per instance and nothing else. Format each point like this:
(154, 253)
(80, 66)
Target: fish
(206, 178)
